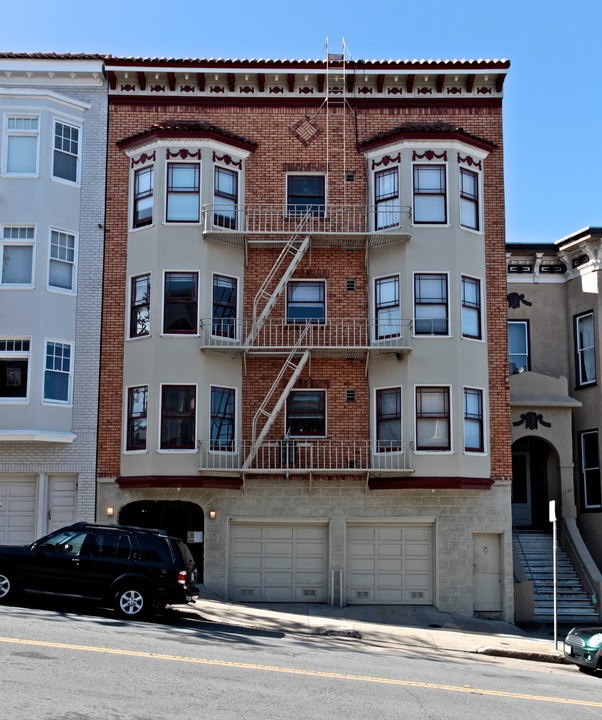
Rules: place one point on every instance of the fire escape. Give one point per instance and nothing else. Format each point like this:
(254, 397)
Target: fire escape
(296, 234)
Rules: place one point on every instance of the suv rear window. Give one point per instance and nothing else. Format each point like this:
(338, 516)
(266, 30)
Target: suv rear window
(155, 548)
(185, 550)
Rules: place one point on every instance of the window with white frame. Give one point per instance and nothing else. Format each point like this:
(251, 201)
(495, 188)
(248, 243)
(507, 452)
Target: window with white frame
(431, 311)
(432, 419)
(306, 301)
(14, 369)
(137, 418)
(61, 270)
(183, 192)
(225, 197)
(225, 292)
(306, 194)
(223, 408)
(58, 368)
(471, 308)
(589, 452)
(473, 420)
(306, 413)
(518, 346)
(430, 194)
(140, 306)
(180, 303)
(65, 161)
(388, 419)
(178, 417)
(143, 197)
(16, 257)
(585, 349)
(386, 198)
(21, 151)
(387, 307)
(469, 199)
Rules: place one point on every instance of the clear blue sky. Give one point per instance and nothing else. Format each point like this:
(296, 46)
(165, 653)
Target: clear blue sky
(553, 93)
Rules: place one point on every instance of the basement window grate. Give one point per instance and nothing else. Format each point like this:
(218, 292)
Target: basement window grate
(351, 285)
(350, 395)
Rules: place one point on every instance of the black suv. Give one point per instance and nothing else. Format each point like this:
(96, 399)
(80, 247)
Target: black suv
(133, 569)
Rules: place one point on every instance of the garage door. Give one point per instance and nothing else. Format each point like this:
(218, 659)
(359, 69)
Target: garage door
(390, 564)
(277, 563)
(17, 510)
(62, 499)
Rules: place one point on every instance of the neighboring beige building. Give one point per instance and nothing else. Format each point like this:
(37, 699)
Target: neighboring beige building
(555, 327)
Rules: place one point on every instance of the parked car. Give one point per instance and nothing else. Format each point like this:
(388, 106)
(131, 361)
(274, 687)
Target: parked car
(134, 570)
(583, 646)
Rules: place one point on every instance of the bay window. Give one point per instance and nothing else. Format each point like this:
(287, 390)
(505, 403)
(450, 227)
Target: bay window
(432, 419)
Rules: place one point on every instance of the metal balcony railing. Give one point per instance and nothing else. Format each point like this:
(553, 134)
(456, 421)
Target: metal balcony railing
(301, 456)
(263, 219)
(336, 336)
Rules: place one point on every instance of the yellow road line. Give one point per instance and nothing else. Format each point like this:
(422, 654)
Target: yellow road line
(307, 673)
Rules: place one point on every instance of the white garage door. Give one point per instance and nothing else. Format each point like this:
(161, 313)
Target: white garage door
(62, 500)
(390, 564)
(18, 510)
(277, 563)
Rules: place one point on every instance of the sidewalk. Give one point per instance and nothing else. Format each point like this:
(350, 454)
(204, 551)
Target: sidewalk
(416, 626)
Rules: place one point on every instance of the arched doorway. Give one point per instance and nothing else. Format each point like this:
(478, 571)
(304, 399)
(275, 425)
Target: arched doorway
(534, 482)
(184, 520)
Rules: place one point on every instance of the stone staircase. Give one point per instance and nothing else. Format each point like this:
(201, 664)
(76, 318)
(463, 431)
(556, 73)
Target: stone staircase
(574, 603)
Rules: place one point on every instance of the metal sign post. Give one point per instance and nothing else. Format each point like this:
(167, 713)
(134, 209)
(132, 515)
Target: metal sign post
(553, 521)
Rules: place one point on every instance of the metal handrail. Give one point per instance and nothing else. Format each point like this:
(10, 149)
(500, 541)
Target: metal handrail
(524, 557)
(584, 574)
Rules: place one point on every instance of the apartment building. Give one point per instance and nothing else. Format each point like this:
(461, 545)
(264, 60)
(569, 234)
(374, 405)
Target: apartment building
(304, 349)
(53, 115)
(554, 355)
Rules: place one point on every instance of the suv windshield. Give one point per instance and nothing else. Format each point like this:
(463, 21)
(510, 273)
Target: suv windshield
(67, 542)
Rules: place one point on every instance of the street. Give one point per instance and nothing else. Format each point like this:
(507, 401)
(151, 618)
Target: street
(86, 665)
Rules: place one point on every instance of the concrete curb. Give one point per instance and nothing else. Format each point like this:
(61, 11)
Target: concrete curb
(523, 655)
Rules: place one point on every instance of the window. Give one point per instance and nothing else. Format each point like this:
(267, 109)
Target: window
(226, 198)
(180, 308)
(61, 271)
(306, 301)
(178, 415)
(140, 306)
(386, 301)
(224, 306)
(222, 418)
(143, 197)
(386, 198)
(137, 419)
(432, 418)
(66, 152)
(473, 420)
(183, 192)
(22, 145)
(430, 304)
(585, 350)
(471, 308)
(518, 346)
(306, 413)
(57, 372)
(590, 469)
(16, 257)
(306, 194)
(430, 205)
(388, 419)
(14, 369)
(469, 199)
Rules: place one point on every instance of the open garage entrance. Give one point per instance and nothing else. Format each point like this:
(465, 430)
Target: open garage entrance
(184, 520)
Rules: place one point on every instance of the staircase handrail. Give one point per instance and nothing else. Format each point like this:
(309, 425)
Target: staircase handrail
(524, 558)
(577, 558)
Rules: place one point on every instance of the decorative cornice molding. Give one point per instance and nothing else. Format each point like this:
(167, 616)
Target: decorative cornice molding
(184, 154)
(471, 162)
(387, 160)
(226, 159)
(430, 155)
(144, 158)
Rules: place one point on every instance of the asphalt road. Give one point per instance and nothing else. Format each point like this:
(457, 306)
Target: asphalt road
(85, 665)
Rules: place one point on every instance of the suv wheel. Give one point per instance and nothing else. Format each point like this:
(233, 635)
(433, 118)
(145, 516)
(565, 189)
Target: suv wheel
(131, 602)
(7, 588)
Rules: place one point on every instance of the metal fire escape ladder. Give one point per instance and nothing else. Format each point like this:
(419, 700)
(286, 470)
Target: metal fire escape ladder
(290, 364)
(294, 250)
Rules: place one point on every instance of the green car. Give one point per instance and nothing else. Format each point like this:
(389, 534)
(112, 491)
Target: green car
(583, 646)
